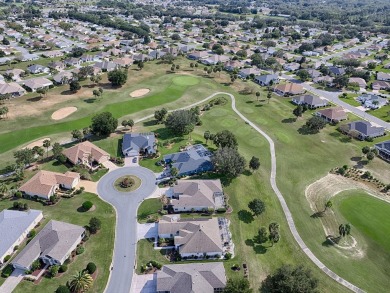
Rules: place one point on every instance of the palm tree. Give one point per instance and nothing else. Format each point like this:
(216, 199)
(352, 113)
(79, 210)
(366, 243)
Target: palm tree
(81, 282)
(46, 144)
(3, 189)
(347, 229)
(257, 95)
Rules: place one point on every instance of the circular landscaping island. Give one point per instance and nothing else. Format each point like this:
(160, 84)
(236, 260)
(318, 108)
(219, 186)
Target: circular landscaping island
(127, 183)
(185, 80)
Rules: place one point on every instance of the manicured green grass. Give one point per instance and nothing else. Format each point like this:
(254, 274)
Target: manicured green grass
(136, 183)
(98, 174)
(146, 253)
(148, 208)
(13, 139)
(350, 99)
(98, 248)
(185, 80)
(370, 216)
(382, 113)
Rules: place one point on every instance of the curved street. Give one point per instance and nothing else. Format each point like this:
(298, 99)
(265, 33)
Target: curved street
(126, 206)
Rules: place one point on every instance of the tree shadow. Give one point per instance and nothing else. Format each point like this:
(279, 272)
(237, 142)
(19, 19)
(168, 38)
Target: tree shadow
(259, 105)
(259, 249)
(317, 215)
(247, 172)
(250, 242)
(245, 216)
(35, 99)
(149, 123)
(89, 100)
(249, 102)
(356, 159)
(289, 120)
(335, 134)
(67, 93)
(81, 209)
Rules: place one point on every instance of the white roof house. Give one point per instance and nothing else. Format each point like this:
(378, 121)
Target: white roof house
(14, 228)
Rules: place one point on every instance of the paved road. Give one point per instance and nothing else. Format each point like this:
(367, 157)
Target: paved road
(334, 98)
(342, 52)
(285, 208)
(126, 205)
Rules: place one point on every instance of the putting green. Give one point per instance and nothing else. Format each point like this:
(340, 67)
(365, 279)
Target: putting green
(184, 80)
(228, 122)
(135, 183)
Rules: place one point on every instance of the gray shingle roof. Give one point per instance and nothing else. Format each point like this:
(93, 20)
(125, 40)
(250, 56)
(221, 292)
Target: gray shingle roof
(191, 278)
(54, 240)
(133, 143)
(13, 224)
(365, 128)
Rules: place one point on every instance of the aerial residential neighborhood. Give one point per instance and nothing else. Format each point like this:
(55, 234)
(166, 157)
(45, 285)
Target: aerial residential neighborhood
(194, 146)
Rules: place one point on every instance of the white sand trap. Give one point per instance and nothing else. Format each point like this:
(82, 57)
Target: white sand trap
(139, 93)
(63, 113)
(37, 143)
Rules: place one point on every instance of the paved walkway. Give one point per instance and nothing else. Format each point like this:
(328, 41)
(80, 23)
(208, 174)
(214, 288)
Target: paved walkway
(12, 281)
(126, 205)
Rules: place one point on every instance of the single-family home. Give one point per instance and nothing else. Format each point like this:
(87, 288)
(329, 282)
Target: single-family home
(52, 245)
(384, 150)
(45, 183)
(106, 66)
(12, 89)
(87, 154)
(53, 54)
(293, 66)
(63, 77)
(193, 237)
(365, 129)
(134, 144)
(197, 55)
(197, 195)
(383, 76)
(326, 80)
(336, 71)
(37, 69)
(371, 101)
(310, 100)
(193, 160)
(336, 114)
(289, 89)
(380, 85)
(72, 61)
(266, 80)
(231, 65)
(35, 84)
(247, 72)
(123, 62)
(215, 59)
(27, 57)
(56, 65)
(14, 228)
(313, 73)
(192, 277)
(360, 81)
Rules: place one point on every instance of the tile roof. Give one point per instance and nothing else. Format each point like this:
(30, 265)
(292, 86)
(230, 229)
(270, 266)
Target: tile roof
(83, 150)
(54, 240)
(191, 278)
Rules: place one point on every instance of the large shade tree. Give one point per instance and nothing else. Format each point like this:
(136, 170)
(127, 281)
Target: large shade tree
(103, 124)
(181, 122)
(225, 138)
(229, 162)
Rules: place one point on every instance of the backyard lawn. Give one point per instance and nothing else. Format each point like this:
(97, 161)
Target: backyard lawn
(98, 248)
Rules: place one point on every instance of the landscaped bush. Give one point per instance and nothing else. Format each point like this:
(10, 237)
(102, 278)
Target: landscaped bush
(63, 268)
(18, 194)
(221, 210)
(228, 256)
(32, 233)
(91, 268)
(80, 250)
(62, 289)
(53, 270)
(87, 205)
(16, 247)
(156, 264)
(7, 271)
(7, 258)
(94, 225)
(35, 265)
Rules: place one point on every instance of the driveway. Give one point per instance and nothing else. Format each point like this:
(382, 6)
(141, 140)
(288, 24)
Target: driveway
(12, 281)
(126, 205)
(144, 284)
(148, 230)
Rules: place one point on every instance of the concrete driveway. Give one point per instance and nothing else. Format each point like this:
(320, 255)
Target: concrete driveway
(148, 230)
(12, 281)
(144, 284)
(126, 205)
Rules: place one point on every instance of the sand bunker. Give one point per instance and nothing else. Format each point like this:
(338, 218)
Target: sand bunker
(139, 93)
(63, 113)
(37, 143)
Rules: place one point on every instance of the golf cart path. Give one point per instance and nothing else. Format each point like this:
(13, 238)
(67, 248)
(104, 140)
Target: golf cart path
(127, 230)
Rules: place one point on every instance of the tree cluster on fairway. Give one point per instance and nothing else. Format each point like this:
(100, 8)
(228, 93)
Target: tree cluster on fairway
(74, 86)
(160, 115)
(103, 124)
(254, 163)
(369, 152)
(225, 138)
(344, 229)
(117, 77)
(129, 123)
(315, 124)
(237, 285)
(227, 161)
(182, 122)
(257, 206)
(299, 110)
(274, 235)
(289, 279)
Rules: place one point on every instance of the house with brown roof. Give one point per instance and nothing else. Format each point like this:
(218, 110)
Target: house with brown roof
(336, 114)
(194, 278)
(45, 183)
(53, 245)
(196, 237)
(380, 85)
(123, 62)
(289, 89)
(196, 195)
(87, 154)
(12, 89)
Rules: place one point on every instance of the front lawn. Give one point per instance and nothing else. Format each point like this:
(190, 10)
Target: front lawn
(98, 248)
(149, 210)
